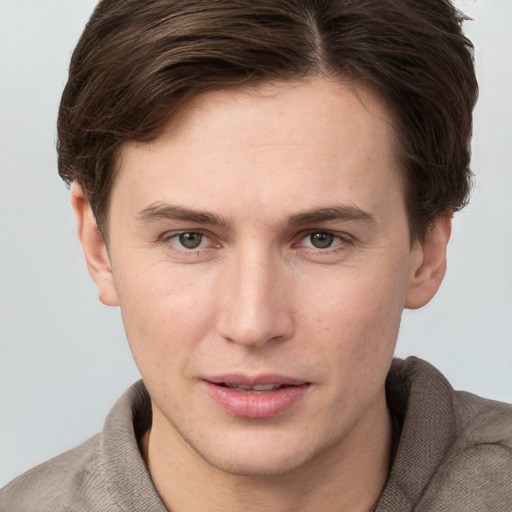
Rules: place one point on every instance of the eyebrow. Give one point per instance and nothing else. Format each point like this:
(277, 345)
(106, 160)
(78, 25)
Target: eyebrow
(160, 211)
(343, 212)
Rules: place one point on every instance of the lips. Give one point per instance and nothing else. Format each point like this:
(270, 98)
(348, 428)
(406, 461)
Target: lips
(255, 398)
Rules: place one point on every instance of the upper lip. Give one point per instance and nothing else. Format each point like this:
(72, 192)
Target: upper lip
(255, 380)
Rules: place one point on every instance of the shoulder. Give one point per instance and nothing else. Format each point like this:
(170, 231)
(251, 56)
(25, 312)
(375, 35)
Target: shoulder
(478, 466)
(105, 473)
(418, 391)
(482, 422)
(455, 448)
(59, 484)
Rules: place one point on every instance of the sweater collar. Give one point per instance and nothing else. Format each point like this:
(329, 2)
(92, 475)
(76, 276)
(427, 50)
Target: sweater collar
(127, 476)
(421, 398)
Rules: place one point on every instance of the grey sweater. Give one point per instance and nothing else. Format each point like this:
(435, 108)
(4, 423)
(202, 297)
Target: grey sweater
(454, 455)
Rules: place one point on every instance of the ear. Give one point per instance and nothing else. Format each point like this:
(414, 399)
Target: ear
(95, 250)
(429, 266)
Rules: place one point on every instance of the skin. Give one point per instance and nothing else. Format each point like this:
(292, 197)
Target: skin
(260, 296)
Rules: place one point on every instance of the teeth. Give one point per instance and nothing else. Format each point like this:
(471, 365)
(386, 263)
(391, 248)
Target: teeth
(264, 387)
(257, 388)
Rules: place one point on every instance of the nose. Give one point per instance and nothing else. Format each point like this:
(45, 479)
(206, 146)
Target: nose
(255, 306)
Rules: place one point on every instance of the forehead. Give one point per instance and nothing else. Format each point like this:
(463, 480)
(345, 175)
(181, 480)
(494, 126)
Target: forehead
(307, 139)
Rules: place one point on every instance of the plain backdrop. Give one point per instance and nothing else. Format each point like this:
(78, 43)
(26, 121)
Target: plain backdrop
(63, 356)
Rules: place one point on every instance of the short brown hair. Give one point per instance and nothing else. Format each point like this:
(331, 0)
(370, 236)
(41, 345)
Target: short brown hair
(137, 61)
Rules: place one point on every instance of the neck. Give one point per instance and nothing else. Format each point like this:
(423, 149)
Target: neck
(349, 475)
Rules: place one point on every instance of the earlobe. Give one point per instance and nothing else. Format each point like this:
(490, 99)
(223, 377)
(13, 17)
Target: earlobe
(93, 245)
(430, 266)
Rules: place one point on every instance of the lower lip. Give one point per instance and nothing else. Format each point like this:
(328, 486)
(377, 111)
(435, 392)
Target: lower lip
(256, 405)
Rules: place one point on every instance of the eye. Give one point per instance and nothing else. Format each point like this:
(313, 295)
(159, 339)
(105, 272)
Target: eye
(187, 240)
(191, 240)
(320, 240)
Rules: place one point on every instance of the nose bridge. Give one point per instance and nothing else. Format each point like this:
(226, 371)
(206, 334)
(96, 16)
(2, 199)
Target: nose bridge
(254, 309)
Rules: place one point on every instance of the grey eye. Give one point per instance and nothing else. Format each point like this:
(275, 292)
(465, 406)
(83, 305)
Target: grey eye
(190, 239)
(321, 240)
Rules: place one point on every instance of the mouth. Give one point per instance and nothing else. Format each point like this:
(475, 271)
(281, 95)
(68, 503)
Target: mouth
(259, 398)
(258, 389)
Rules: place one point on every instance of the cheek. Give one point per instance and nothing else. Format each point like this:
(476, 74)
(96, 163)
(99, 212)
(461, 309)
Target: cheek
(359, 301)
(165, 315)
(356, 319)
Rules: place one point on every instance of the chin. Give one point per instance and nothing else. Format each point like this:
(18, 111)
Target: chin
(257, 464)
(258, 457)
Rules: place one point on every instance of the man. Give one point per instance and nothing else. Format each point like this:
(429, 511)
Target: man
(263, 188)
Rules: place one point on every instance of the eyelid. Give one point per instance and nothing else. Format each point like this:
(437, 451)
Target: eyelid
(168, 236)
(344, 238)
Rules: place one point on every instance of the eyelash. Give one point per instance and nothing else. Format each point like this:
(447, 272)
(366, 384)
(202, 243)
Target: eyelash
(343, 241)
(167, 238)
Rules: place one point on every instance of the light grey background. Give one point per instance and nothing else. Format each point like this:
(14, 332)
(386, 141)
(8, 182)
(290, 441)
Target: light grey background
(63, 356)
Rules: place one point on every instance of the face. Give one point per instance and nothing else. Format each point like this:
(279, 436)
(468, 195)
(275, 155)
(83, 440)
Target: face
(260, 255)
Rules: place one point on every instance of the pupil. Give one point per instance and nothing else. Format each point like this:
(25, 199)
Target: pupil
(321, 240)
(191, 240)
